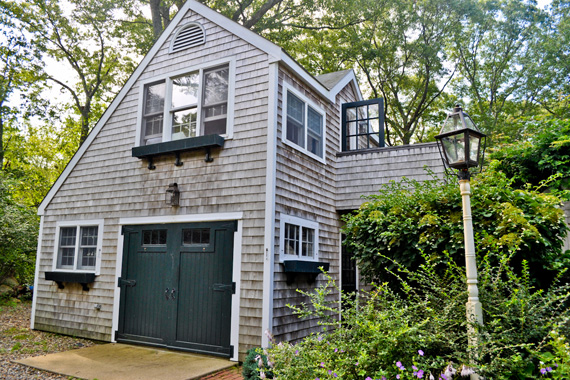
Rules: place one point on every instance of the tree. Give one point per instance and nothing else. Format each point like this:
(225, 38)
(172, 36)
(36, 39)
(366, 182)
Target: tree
(493, 49)
(18, 236)
(17, 60)
(399, 50)
(548, 78)
(84, 37)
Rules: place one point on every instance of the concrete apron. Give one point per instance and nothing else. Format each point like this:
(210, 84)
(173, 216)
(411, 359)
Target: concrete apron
(114, 361)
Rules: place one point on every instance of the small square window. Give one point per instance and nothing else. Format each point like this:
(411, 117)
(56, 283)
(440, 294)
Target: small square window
(78, 247)
(299, 239)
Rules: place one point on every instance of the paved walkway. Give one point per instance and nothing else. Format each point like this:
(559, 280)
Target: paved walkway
(116, 361)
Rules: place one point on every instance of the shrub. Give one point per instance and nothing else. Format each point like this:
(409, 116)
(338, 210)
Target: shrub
(409, 217)
(420, 328)
(255, 361)
(539, 157)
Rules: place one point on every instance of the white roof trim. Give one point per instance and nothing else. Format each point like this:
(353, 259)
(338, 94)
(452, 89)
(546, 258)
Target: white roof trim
(275, 54)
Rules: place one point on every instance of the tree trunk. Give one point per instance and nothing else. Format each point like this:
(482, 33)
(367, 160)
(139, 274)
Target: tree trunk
(156, 18)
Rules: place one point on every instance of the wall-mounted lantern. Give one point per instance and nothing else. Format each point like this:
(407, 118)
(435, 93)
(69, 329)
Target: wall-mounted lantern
(173, 195)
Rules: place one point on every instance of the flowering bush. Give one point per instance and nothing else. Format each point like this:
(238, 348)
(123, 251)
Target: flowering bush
(419, 331)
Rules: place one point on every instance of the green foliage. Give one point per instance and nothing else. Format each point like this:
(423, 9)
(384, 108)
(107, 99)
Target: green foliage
(18, 236)
(410, 217)
(545, 152)
(384, 330)
(255, 361)
(556, 362)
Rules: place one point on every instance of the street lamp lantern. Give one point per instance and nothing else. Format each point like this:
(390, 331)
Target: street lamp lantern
(461, 144)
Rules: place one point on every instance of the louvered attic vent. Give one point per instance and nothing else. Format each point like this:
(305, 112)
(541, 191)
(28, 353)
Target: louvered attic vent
(188, 36)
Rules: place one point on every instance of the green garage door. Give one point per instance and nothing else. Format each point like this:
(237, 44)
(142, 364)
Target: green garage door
(176, 286)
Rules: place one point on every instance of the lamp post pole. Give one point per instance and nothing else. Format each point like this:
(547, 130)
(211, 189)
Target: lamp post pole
(459, 144)
(474, 310)
(473, 306)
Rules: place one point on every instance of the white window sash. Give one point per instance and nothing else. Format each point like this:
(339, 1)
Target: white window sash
(302, 224)
(308, 104)
(99, 223)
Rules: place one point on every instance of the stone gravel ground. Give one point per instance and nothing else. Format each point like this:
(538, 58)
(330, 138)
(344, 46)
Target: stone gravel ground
(17, 341)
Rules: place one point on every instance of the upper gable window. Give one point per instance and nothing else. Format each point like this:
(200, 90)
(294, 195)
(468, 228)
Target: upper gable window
(184, 106)
(188, 36)
(305, 125)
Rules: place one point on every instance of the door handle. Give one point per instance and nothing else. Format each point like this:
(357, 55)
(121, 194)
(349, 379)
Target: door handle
(166, 294)
(172, 292)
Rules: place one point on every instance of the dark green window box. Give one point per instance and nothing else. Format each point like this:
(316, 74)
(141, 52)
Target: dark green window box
(311, 269)
(77, 277)
(178, 146)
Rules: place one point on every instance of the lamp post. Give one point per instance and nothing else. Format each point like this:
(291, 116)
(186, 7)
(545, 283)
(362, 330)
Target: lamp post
(462, 148)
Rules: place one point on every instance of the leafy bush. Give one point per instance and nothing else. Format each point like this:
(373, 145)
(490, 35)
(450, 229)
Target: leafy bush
(420, 329)
(18, 237)
(410, 217)
(539, 157)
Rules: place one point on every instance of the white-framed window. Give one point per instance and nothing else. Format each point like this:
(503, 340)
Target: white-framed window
(78, 246)
(298, 239)
(187, 104)
(304, 124)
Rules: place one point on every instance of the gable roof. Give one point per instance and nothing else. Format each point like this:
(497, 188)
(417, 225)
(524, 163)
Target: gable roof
(276, 54)
(336, 81)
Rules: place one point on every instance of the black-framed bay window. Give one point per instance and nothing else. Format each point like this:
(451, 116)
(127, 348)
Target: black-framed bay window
(363, 125)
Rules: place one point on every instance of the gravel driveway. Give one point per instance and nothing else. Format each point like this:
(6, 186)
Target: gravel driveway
(17, 341)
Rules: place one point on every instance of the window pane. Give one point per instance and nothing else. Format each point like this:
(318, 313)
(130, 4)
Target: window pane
(196, 236)
(154, 237)
(185, 90)
(89, 236)
(66, 252)
(315, 132)
(87, 247)
(291, 239)
(216, 86)
(295, 120)
(308, 242)
(184, 124)
(373, 111)
(351, 114)
(88, 258)
(154, 98)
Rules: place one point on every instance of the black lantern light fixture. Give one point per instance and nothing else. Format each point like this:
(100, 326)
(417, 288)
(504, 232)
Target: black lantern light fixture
(461, 144)
(173, 195)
